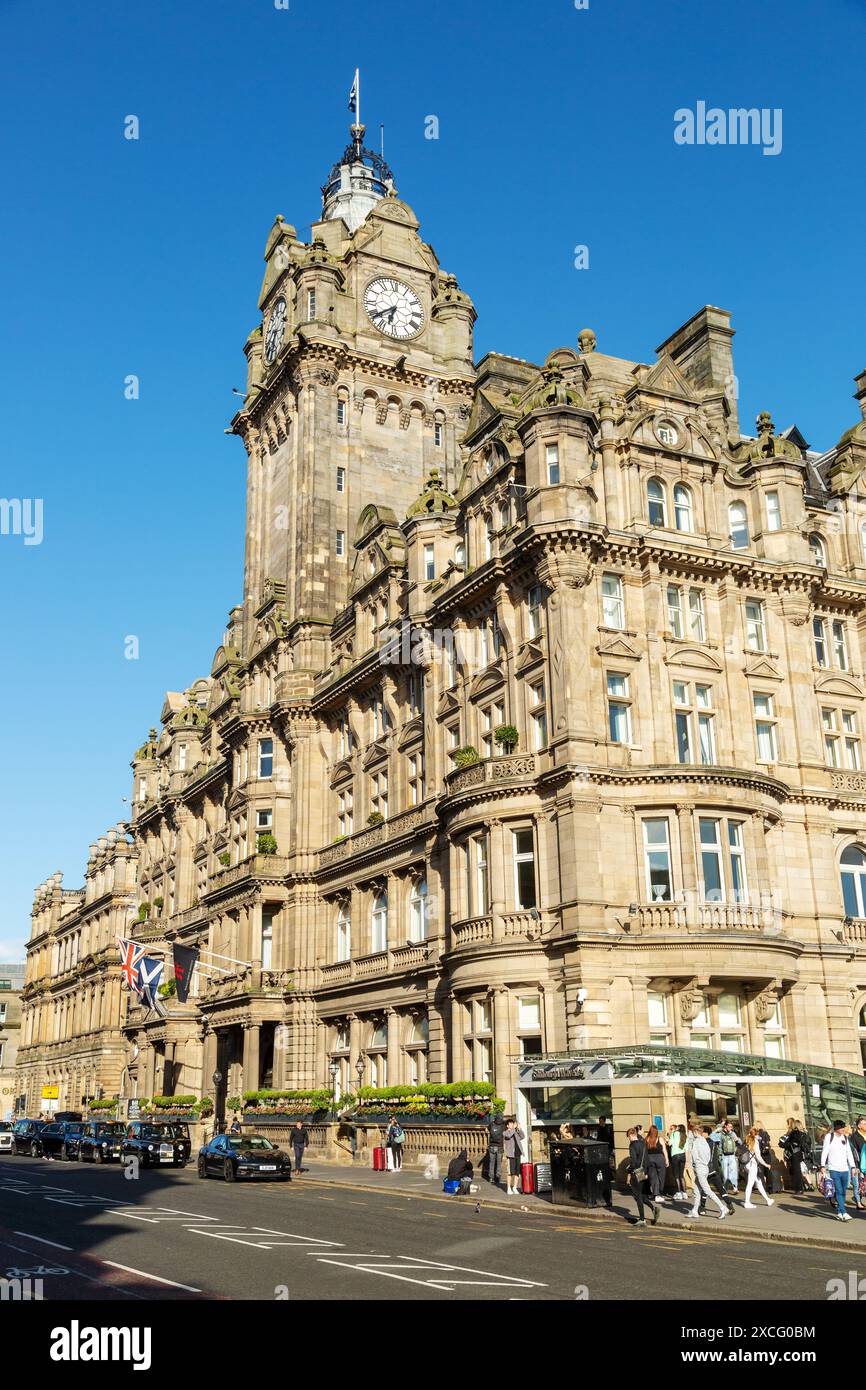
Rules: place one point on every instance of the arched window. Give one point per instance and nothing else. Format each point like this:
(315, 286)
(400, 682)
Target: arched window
(379, 923)
(816, 545)
(683, 507)
(854, 881)
(656, 504)
(418, 910)
(739, 525)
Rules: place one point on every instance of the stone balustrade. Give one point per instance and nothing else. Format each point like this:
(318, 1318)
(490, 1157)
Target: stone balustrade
(392, 961)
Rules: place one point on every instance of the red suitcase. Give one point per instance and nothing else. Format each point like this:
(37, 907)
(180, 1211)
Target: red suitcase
(527, 1177)
(379, 1160)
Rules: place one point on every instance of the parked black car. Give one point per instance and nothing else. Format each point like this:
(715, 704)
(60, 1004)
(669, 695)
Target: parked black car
(100, 1141)
(25, 1137)
(59, 1140)
(156, 1145)
(234, 1156)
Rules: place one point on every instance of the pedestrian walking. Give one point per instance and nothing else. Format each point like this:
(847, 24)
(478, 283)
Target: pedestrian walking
(637, 1177)
(656, 1163)
(794, 1145)
(299, 1138)
(495, 1150)
(394, 1140)
(753, 1163)
(699, 1156)
(728, 1143)
(716, 1180)
(858, 1144)
(512, 1139)
(837, 1160)
(677, 1154)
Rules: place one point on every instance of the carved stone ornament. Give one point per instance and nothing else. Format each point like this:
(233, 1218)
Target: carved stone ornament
(691, 1004)
(766, 1004)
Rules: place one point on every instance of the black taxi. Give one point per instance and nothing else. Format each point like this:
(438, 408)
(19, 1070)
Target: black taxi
(156, 1144)
(100, 1140)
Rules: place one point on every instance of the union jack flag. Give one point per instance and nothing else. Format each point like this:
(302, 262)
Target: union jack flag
(130, 954)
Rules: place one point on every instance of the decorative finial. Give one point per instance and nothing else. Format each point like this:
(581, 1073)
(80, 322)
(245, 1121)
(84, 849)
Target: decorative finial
(586, 340)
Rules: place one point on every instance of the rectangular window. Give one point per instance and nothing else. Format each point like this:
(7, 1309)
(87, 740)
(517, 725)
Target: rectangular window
(346, 812)
(344, 934)
(831, 740)
(765, 728)
(344, 736)
(613, 608)
(551, 455)
(340, 543)
(266, 757)
(379, 794)
(264, 820)
(739, 890)
(657, 1009)
(311, 304)
(774, 512)
(535, 603)
(491, 718)
(437, 435)
(755, 632)
(429, 562)
(341, 479)
(341, 415)
(697, 628)
(657, 860)
(267, 938)
(840, 646)
(538, 715)
(852, 740)
(479, 895)
(618, 708)
(524, 869)
(819, 632)
(529, 1013)
(416, 778)
(452, 741)
(711, 861)
(675, 611)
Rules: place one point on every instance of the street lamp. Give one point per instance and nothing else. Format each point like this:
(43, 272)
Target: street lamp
(334, 1068)
(359, 1068)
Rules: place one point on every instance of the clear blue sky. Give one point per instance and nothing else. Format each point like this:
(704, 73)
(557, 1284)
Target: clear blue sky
(116, 257)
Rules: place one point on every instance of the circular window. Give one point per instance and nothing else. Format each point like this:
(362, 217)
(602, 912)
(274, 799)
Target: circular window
(667, 433)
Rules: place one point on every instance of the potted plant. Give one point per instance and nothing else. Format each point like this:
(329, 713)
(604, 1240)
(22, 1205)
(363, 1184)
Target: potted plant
(466, 756)
(506, 736)
(143, 911)
(266, 844)
(375, 818)
(158, 902)
(224, 858)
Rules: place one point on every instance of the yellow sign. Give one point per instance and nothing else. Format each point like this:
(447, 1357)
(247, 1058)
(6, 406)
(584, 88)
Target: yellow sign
(50, 1092)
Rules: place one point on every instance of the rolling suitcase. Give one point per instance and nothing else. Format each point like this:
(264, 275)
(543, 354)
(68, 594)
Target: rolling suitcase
(379, 1160)
(527, 1177)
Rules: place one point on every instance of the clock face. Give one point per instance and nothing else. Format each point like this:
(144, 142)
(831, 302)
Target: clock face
(393, 308)
(276, 329)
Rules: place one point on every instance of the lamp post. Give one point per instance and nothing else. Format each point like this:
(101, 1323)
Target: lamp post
(334, 1068)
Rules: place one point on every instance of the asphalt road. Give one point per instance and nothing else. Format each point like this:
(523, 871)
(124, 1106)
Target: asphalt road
(94, 1234)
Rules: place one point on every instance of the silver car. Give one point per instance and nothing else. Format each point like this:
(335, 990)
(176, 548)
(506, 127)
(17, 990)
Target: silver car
(5, 1137)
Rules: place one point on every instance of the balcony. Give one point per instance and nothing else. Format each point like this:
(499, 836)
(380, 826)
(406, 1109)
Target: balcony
(513, 767)
(510, 926)
(391, 962)
(854, 930)
(385, 831)
(693, 917)
(257, 866)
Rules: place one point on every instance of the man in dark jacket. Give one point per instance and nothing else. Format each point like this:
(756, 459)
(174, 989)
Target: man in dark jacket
(495, 1148)
(300, 1138)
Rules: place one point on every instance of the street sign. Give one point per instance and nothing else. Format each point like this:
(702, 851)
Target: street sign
(50, 1092)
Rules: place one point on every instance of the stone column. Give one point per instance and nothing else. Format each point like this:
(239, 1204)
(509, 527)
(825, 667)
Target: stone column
(394, 1059)
(502, 1078)
(354, 1049)
(252, 1039)
(456, 1065)
(208, 1060)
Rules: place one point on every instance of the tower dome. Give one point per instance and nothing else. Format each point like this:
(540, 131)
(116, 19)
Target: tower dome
(356, 183)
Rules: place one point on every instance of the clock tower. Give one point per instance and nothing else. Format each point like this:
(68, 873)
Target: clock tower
(360, 380)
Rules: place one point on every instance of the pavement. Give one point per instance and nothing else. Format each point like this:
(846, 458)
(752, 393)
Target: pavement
(348, 1234)
(807, 1219)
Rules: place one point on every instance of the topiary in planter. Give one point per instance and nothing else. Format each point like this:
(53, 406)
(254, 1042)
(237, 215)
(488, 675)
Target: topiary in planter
(466, 756)
(266, 844)
(506, 736)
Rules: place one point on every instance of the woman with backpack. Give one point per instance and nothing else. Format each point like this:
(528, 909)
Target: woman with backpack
(394, 1140)
(794, 1144)
(752, 1161)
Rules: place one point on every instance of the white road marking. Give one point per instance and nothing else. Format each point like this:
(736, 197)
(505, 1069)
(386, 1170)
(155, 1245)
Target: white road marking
(144, 1275)
(42, 1240)
(240, 1236)
(440, 1273)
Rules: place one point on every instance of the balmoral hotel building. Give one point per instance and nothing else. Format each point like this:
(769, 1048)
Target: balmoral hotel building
(670, 612)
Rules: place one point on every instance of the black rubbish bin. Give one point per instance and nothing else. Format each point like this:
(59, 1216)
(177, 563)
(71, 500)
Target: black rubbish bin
(580, 1172)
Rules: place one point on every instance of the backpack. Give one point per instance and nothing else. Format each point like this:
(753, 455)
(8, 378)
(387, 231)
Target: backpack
(729, 1144)
(397, 1135)
(744, 1157)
